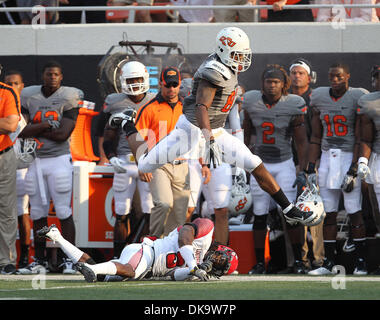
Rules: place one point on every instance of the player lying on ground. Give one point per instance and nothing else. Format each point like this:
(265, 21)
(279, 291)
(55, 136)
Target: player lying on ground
(185, 253)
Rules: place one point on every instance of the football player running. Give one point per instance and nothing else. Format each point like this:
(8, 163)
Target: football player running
(205, 111)
(335, 137)
(134, 79)
(276, 117)
(51, 111)
(184, 253)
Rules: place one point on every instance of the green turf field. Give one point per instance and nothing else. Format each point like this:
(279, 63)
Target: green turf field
(230, 288)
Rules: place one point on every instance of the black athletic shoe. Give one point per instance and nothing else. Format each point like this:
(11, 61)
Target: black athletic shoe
(299, 267)
(360, 268)
(258, 269)
(9, 269)
(88, 274)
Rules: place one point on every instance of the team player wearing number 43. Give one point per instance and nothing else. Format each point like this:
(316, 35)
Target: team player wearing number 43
(205, 111)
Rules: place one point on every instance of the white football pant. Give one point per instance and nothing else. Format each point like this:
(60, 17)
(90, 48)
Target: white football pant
(186, 137)
(22, 197)
(57, 181)
(124, 187)
(285, 175)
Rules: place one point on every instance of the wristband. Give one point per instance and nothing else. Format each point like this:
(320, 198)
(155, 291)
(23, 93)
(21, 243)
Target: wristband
(363, 160)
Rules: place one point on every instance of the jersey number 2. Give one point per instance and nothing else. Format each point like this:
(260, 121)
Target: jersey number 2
(269, 130)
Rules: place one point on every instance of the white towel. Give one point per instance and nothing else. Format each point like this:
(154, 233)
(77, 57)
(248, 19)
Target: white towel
(334, 178)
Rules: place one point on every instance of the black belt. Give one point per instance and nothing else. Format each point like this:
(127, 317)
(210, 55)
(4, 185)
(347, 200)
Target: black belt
(5, 150)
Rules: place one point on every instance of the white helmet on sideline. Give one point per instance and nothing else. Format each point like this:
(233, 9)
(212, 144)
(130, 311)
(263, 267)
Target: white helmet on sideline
(25, 152)
(233, 48)
(241, 198)
(310, 200)
(131, 70)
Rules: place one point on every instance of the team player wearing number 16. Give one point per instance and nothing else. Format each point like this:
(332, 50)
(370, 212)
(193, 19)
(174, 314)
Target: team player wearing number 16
(336, 136)
(205, 111)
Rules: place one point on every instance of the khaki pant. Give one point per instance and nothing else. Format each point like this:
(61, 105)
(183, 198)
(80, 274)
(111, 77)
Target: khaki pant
(8, 208)
(170, 192)
(318, 247)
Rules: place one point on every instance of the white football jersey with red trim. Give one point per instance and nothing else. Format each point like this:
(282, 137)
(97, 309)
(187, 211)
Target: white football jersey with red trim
(166, 250)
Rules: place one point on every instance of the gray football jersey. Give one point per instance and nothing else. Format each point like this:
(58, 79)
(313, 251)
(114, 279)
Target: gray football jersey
(226, 82)
(273, 124)
(337, 117)
(118, 102)
(43, 108)
(369, 104)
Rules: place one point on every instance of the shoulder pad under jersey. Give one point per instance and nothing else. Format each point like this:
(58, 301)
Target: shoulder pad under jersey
(219, 67)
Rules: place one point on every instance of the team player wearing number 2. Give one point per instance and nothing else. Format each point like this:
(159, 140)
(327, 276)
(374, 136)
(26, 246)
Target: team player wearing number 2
(205, 111)
(336, 137)
(277, 117)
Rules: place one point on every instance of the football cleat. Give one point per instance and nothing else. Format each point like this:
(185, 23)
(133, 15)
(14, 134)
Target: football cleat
(51, 232)
(295, 215)
(68, 267)
(257, 269)
(36, 267)
(360, 268)
(86, 271)
(299, 267)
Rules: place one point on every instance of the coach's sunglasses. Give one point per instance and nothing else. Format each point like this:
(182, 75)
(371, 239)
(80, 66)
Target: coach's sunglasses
(172, 85)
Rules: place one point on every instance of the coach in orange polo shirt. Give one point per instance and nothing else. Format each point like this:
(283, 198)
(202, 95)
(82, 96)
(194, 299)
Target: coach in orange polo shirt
(9, 118)
(169, 184)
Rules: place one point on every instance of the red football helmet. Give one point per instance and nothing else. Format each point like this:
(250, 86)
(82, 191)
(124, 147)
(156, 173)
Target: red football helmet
(224, 260)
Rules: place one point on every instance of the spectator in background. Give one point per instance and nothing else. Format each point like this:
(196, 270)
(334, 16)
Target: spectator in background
(141, 16)
(222, 15)
(76, 16)
(341, 14)
(9, 17)
(14, 79)
(9, 119)
(194, 15)
(169, 184)
(52, 17)
(278, 14)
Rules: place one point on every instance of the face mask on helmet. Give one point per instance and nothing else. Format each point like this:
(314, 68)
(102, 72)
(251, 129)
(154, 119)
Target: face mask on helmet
(134, 70)
(241, 198)
(25, 152)
(224, 260)
(233, 49)
(310, 200)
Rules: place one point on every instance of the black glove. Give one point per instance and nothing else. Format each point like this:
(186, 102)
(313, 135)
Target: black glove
(213, 154)
(311, 174)
(350, 178)
(124, 120)
(300, 182)
(206, 266)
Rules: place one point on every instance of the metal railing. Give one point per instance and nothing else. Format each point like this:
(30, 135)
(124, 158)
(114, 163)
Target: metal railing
(175, 8)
